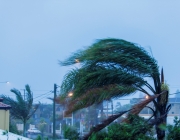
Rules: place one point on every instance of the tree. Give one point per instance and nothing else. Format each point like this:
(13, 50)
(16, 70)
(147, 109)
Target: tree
(22, 106)
(42, 126)
(112, 68)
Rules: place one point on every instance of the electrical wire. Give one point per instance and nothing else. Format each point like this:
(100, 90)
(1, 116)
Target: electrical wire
(42, 94)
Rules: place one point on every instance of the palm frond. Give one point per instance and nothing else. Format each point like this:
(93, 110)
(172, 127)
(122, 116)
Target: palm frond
(108, 62)
(80, 81)
(104, 124)
(19, 96)
(138, 107)
(29, 98)
(97, 95)
(123, 54)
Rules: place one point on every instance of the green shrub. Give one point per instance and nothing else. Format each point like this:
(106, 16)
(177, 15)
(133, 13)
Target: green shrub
(102, 135)
(38, 137)
(136, 129)
(173, 131)
(71, 133)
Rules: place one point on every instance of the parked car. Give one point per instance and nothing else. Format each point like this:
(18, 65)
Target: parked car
(34, 130)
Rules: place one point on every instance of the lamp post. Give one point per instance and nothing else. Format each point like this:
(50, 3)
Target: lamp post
(7, 82)
(70, 95)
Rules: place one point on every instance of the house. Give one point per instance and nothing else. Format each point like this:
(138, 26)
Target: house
(174, 111)
(175, 106)
(4, 115)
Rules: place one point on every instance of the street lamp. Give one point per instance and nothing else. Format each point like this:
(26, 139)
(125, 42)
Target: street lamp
(7, 82)
(147, 97)
(70, 94)
(77, 60)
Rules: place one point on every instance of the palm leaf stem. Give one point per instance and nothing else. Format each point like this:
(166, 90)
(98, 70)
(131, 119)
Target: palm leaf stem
(150, 87)
(152, 111)
(104, 124)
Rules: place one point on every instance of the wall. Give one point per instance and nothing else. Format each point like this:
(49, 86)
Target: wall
(4, 117)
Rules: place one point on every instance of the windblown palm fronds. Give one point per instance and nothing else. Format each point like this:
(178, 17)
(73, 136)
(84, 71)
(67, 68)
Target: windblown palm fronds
(109, 62)
(111, 68)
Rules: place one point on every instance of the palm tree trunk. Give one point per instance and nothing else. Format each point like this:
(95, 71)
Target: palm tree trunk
(161, 111)
(24, 128)
(159, 131)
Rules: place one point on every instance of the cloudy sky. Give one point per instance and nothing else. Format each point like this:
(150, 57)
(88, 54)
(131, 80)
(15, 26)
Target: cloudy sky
(34, 35)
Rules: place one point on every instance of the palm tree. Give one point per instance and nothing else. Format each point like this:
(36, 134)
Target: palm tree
(22, 108)
(112, 68)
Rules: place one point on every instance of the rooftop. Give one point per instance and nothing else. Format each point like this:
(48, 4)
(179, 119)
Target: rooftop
(4, 106)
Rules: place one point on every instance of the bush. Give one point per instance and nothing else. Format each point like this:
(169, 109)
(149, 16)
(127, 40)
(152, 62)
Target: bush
(71, 133)
(13, 129)
(173, 131)
(102, 135)
(38, 137)
(136, 129)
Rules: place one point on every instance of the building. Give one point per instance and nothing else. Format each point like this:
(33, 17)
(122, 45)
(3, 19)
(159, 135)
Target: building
(174, 111)
(175, 106)
(4, 115)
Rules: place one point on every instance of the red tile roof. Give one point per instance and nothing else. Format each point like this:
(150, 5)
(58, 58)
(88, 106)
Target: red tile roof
(4, 106)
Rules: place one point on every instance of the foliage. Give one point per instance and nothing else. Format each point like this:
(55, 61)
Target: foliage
(102, 135)
(112, 68)
(38, 137)
(71, 133)
(22, 106)
(42, 125)
(13, 128)
(174, 130)
(135, 130)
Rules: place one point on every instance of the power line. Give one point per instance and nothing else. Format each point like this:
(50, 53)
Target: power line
(45, 96)
(39, 90)
(42, 95)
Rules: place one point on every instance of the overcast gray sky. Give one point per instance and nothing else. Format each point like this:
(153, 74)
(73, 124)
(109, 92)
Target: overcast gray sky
(35, 34)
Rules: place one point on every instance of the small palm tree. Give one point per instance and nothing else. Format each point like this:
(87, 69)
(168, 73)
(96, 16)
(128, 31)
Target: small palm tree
(22, 107)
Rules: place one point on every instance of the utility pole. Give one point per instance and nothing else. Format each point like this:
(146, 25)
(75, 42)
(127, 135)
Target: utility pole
(54, 113)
